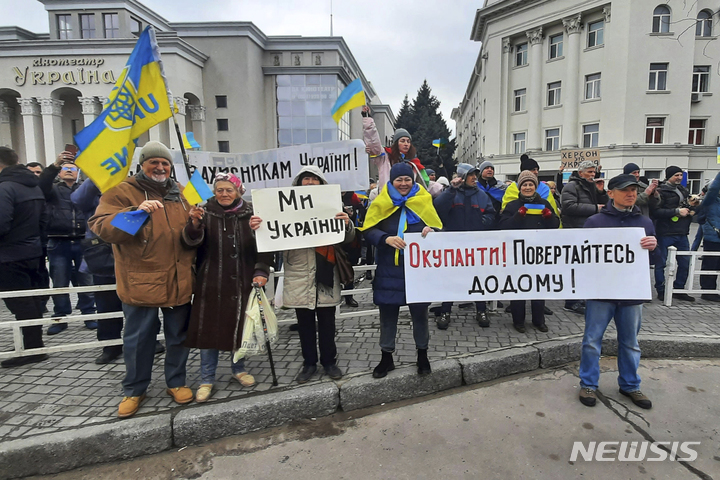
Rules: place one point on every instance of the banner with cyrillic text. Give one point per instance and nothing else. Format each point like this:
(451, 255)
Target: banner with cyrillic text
(583, 264)
(342, 163)
(298, 217)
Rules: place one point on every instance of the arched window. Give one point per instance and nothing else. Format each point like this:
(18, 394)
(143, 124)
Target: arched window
(661, 19)
(704, 24)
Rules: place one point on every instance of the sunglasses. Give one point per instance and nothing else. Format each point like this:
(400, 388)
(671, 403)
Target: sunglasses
(71, 169)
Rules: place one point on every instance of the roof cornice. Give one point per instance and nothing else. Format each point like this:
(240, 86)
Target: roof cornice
(482, 15)
(132, 6)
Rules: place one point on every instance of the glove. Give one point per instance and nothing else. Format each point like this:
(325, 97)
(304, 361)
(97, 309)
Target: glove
(522, 211)
(546, 213)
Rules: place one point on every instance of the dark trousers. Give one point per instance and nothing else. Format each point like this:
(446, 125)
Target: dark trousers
(537, 309)
(446, 307)
(683, 261)
(65, 256)
(323, 334)
(709, 282)
(106, 302)
(25, 275)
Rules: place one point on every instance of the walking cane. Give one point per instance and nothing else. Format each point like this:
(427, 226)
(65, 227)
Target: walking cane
(267, 338)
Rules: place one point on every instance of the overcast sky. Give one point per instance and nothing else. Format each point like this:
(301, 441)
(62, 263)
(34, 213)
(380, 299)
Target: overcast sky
(397, 43)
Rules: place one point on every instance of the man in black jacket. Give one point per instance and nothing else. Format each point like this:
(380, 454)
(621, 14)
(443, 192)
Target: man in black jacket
(672, 217)
(65, 231)
(22, 263)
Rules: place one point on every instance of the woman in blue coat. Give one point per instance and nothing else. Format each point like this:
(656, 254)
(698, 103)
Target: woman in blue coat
(402, 207)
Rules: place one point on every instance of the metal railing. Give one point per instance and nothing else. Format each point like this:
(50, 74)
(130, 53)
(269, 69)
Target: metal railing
(671, 266)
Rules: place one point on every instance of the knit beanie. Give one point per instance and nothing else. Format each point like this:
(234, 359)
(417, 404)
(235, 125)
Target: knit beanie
(630, 167)
(486, 164)
(399, 133)
(430, 171)
(672, 170)
(155, 149)
(527, 163)
(526, 175)
(401, 170)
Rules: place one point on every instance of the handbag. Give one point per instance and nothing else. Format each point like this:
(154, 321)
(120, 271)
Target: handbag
(345, 268)
(98, 255)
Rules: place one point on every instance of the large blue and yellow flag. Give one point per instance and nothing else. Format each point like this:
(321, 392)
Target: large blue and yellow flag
(138, 102)
(352, 97)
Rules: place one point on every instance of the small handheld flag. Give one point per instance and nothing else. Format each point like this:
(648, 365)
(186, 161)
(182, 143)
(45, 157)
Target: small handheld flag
(534, 208)
(440, 142)
(718, 155)
(352, 97)
(190, 142)
(130, 222)
(197, 190)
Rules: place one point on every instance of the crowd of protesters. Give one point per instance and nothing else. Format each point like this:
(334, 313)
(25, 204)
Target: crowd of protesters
(46, 213)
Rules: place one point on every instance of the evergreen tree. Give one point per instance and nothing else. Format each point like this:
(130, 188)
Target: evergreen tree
(405, 116)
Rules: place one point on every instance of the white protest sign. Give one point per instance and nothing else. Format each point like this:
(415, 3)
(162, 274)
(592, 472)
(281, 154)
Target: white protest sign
(343, 163)
(298, 217)
(582, 263)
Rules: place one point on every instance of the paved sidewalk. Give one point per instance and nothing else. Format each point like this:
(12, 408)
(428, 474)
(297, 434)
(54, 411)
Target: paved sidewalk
(69, 390)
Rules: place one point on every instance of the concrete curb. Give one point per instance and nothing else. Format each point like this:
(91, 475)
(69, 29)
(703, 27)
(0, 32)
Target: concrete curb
(491, 365)
(53, 453)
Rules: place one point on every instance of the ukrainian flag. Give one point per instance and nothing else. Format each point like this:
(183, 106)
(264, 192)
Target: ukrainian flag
(197, 190)
(534, 208)
(352, 97)
(439, 142)
(138, 102)
(718, 155)
(189, 141)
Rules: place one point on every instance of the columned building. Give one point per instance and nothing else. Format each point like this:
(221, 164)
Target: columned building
(635, 79)
(237, 89)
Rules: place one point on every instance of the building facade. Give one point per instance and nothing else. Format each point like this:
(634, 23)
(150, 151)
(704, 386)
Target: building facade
(237, 89)
(634, 78)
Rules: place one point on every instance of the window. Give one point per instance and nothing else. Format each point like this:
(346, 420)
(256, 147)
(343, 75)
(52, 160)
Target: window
(521, 55)
(224, 146)
(592, 86)
(595, 34)
(661, 19)
(112, 25)
(703, 28)
(658, 76)
(87, 26)
(591, 135)
(64, 27)
(553, 96)
(519, 142)
(222, 124)
(701, 78)
(520, 100)
(552, 139)
(651, 174)
(135, 27)
(221, 101)
(556, 46)
(695, 182)
(654, 130)
(697, 132)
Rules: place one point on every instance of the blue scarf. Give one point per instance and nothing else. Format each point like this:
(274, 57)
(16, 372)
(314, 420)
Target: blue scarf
(399, 201)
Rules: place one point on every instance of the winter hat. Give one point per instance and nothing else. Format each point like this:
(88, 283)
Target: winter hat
(430, 171)
(527, 163)
(525, 176)
(464, 169)
(399, 133)
(443, 181)
(155, 150)
(622, 181)
(630, 167)
(484, 165)
(586, 164)
(672, 170)
(401, 169)
(229, 177)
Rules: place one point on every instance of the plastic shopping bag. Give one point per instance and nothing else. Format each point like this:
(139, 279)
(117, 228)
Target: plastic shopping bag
(253, 337)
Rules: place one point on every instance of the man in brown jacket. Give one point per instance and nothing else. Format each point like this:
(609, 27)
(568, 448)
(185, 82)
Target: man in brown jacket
(154, 271)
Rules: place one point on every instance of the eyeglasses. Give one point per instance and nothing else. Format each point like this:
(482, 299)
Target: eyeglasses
(71, 169)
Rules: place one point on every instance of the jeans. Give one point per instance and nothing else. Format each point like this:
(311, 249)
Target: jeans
(627, 322)
(681, 243)
(25, 275)
(709, 282)
(447, 308)
(537, 311)
(141, 326)
(209, 362)
(388, 325)
(65, 256)
(322, 335)
(106, 302)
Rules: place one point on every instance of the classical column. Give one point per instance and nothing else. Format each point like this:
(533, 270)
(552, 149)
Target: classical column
(570, 95)
(197, 116)
(536, 92)
(90, 108)
(505, 100)
(33, 130)
(5, 125)
(51, 110)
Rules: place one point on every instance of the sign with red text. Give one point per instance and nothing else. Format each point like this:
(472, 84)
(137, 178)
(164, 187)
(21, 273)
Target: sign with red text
(582, 264)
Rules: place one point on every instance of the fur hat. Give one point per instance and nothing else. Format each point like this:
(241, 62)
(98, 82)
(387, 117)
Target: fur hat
(527, 163)
(155, 149)
(672, 170)
(526, 175)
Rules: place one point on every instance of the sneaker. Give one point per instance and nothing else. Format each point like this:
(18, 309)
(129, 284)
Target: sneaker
(711, 297)
(334, 372)
(181, 395)
(543, 328)
(576, 308)
(245, 379)
(91, 324)
(638, 398)
(306, 373)
(129, 406)
(519, 328)
(683, 296)
(20, 361)
(547, 311)
(443, 321)
(203, 393)
(56, 328)
(588, 397)
(482, 319)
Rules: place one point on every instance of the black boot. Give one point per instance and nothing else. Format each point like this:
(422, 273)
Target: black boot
(386, 365)
(350, 301)
(422, 362)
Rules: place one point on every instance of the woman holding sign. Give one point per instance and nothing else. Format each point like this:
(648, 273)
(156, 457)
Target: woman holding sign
(529, 212)
(401, 207)
(227, 265)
